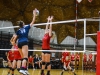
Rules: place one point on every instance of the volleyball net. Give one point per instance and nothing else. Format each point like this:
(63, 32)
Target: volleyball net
(70, 46)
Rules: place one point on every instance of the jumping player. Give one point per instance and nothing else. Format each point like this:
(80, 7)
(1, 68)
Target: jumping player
(46, 46)
(22, 36)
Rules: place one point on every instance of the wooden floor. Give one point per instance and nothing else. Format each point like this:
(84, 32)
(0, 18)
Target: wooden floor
(3, 71)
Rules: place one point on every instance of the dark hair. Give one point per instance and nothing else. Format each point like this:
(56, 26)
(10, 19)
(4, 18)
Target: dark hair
(20, 23)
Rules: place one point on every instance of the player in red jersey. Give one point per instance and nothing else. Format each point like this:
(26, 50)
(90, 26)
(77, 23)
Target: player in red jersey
(73, 60)
(17, 56)
(10, 58)
(90, 61)
(85, 61)
(64, 54)
(46, 46)
(77, 60)
(66, 63)
(31, 61)
(17, 59)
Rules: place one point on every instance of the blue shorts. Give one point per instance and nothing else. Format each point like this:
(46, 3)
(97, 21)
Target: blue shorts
(22, 44)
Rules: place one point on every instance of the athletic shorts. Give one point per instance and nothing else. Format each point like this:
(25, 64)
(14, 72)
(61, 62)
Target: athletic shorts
(72, 60)
(77, 59)
(22, 44)
(90, 60)
(46, 52)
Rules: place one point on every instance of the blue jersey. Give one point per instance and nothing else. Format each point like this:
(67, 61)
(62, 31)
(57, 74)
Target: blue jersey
(22, 34)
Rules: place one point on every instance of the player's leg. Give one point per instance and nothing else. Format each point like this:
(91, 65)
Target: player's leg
(73, 70)
(48, 64)
(43, 63)
(64, 69)
(18, 65)
(14, 63)
(10, 67)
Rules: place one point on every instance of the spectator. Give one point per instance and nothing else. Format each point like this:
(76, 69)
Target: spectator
(36, 61)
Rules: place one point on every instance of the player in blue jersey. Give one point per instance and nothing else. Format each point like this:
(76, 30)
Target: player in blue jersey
(22, 36)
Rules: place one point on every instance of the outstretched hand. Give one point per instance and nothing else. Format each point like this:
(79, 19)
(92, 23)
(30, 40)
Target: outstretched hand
(48, 18)
(34, 12)
(51, 18)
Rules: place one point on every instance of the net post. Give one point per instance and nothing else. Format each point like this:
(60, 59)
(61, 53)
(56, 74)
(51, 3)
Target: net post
(84, 34)
(98, 54)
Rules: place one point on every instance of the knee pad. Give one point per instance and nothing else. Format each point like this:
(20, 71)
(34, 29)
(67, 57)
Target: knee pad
(13, 69)
(48, 63)
(25, 59)
(43, 63)
(18, 69)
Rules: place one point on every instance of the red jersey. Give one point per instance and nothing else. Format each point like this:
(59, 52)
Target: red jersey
(77, 57)
(30, 59)
(46, 42)
(11, 55)
(17, 55)
(85, 58)
(90, 57)
(66, 62)
(72, 57)
(64, 55)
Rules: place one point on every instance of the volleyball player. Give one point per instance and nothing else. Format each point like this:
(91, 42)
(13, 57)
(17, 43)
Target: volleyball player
(31, 61)
(46, 46)
(77, 60)
(73, 60)
(22, 36)
(17, 57)
(90, 62)
(66, 63)
(64, 54)
(85, 61)
(10, 58)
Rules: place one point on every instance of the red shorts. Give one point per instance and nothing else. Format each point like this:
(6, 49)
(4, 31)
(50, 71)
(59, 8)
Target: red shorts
(90, 60)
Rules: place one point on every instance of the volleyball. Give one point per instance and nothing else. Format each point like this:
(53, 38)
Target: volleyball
(37, 12)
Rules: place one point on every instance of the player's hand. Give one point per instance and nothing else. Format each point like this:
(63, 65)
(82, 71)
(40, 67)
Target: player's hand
(34, 12)
(48, 18)
(51, 18)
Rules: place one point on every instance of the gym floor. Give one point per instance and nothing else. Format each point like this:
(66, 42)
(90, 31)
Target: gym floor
(4, 71)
